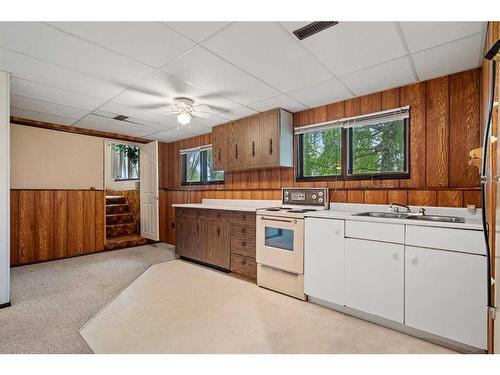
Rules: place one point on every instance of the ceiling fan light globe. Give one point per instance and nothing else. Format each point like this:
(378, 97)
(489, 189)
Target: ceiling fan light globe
(184, 118)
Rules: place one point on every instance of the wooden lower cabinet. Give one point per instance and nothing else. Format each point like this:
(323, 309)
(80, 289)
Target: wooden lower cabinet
(217, 237)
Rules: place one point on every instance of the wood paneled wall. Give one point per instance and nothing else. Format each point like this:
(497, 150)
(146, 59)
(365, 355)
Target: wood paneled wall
(55, 224)
(444, 127)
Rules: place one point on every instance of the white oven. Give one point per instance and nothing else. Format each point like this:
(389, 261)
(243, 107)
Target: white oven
(280, 240)
(280, 243)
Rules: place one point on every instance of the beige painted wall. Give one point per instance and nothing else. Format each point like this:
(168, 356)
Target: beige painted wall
(48, 159)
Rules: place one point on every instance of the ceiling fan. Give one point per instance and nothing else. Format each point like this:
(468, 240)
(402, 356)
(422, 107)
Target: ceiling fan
(186, 110)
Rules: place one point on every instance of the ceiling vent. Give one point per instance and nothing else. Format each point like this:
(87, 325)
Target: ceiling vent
(313, 28)
(120, 118)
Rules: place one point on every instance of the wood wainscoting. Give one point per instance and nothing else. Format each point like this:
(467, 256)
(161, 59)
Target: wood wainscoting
(55, 224)
(444, 127)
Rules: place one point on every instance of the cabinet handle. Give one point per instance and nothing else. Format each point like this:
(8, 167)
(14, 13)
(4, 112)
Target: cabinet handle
(253, 148)
(270, 146)
(218, 231)
(219, 154)
(236, 151)
(414, 260)
(219, 215)
(243, 230)
(243, 261)
(243, 243)
(395, 255)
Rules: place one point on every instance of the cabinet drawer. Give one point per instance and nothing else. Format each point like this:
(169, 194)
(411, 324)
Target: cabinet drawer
(187, 212)
(243, 246)
(244, 266)
(243, 218)
(243, 230)
(467, 241)
(375, 231)
(218, 215)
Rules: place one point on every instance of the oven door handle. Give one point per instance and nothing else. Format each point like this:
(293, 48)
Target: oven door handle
(280, 220)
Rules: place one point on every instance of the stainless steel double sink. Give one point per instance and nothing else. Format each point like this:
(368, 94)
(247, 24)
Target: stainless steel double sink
(412, 216)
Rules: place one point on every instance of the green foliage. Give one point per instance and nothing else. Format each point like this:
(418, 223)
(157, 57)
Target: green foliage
(193, 167)
(378, 148)
(132, 152)
(322, 153)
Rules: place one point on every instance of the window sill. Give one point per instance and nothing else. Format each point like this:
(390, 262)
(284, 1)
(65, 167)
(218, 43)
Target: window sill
(202, 183)
(364, 177)
(126, 179)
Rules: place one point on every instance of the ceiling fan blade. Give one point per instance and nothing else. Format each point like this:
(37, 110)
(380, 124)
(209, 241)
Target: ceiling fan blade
(203, 114)
(202, 108)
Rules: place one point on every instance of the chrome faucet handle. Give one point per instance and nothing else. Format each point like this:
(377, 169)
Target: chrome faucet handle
(421, 211)
(395, 207)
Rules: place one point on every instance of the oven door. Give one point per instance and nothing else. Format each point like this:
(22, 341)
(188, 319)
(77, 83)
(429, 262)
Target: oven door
(280, 243)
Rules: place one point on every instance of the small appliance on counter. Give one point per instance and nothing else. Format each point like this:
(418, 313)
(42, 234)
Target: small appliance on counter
(280, 240)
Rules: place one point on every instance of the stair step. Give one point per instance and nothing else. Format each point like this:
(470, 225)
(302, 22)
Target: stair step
(119, 219)
(117, 209)
(115, 199)
(115, 230)
(122, 242)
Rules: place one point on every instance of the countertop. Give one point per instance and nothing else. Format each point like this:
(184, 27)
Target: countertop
(347, 212)
(246, 205)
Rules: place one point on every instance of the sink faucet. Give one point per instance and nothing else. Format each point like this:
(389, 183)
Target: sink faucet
(394, 207)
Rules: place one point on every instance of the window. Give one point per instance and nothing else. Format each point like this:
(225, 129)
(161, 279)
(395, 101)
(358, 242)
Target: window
(125, 162)
(373, 146)
(197, 167)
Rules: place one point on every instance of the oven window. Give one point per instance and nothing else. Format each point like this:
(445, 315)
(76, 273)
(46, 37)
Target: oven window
(279, 238)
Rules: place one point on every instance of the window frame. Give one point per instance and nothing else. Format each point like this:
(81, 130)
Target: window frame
(203, 170)
(346, 156)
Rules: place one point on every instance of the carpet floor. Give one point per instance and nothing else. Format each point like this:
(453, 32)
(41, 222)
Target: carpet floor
(51, 301)
(180, 307)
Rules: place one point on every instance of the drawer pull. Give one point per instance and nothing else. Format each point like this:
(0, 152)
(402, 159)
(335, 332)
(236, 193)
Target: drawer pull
(243, 243)
(414, 260)
(218, 231)
(243, 261)
(243, 230)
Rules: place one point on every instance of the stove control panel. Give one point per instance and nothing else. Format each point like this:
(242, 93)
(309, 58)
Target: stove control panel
(306, 197)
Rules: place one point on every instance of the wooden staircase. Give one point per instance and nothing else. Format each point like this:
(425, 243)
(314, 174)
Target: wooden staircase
(121, 228)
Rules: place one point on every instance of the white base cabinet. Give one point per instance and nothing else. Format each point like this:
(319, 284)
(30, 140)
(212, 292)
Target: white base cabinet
(374, 278)
(324, 259)
(445, 294)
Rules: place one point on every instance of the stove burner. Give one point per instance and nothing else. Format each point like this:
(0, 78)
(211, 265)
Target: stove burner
(274, 209)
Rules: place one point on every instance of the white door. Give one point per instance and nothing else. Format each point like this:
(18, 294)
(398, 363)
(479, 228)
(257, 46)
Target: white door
(445, 294)
(324, 259)
(149, 191)
(374, 278)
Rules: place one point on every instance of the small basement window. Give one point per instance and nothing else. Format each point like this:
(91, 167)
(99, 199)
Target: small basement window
(197, 167)
(125, 162)
(372, 146)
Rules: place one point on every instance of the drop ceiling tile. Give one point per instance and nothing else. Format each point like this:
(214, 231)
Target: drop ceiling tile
(291, 26)
(238, 113)
(204, 69)
(149, 42)
(207, 123)
(94, 122)
(280, 101)
(322, 93)
(422, 35)
(151, 117)
(197, 31)
(46, 43)
(381, 77)
(266, 50)
(36, 70)
(40, 116)
(157, 91)
(46, 107)
(449, 58)
(52, 94)
(351, 46)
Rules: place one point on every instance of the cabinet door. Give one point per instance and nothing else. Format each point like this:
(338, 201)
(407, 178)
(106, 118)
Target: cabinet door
(237, 138)
(186, 231)
(445, 294)
(374, 278)
(253, 141)
(218, 243)
(269, 141)
(220, 146)
(324, 259)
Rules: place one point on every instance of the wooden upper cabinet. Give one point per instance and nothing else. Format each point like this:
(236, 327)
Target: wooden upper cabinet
(220, 146)
(264, 140)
